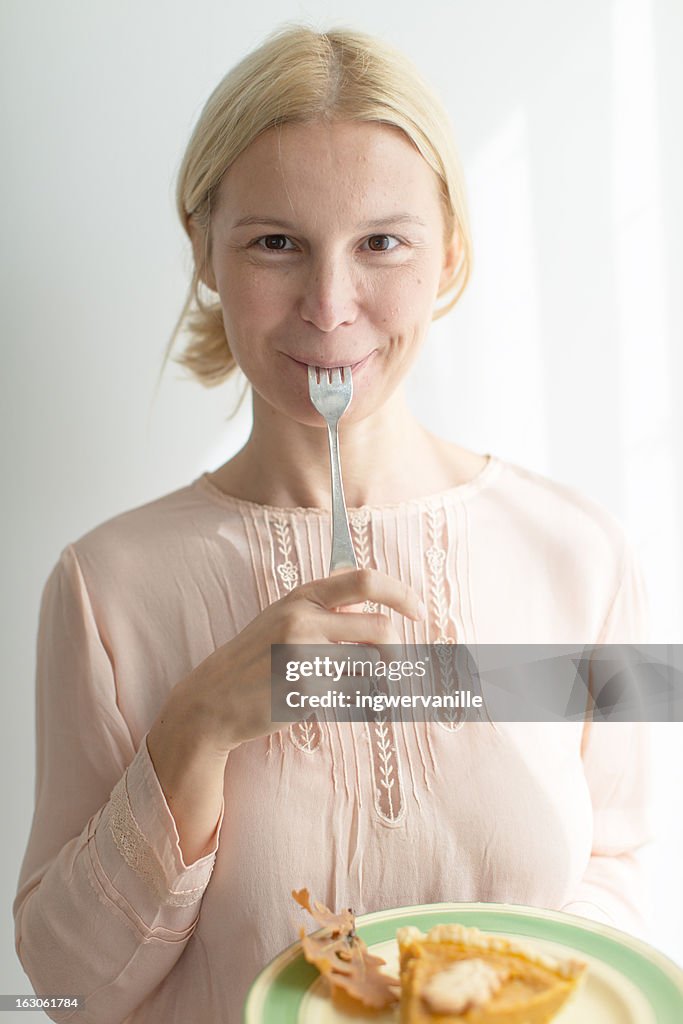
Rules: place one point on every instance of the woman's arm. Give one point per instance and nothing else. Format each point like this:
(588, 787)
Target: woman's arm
(103, 909)
(616, 760)
(614, 888)
(190, 775)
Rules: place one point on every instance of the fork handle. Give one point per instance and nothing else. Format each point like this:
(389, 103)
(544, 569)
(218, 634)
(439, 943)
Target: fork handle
(343, 555)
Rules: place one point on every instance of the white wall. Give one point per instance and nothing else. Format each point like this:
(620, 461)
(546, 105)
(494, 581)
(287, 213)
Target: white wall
(563, 355)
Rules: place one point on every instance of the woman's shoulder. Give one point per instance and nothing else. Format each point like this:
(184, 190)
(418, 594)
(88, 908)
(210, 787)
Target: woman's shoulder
(559, 513)
(145, 535)
(523, 495)
(555, 494)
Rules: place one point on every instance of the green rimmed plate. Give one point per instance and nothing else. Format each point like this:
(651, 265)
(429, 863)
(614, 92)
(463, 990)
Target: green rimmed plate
(627, 982)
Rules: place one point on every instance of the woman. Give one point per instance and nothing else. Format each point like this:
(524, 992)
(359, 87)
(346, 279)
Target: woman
(322, 197)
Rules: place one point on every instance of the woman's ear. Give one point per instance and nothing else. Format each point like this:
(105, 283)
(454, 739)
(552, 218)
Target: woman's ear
(199, 236)
(451, 261)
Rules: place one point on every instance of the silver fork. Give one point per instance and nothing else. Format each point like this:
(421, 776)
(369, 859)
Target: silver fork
(331, 391)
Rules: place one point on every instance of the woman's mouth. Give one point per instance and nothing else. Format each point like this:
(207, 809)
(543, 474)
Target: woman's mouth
(357, 365)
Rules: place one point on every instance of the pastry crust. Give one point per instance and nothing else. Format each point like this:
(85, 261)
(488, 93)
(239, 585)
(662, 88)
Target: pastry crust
(505, 981)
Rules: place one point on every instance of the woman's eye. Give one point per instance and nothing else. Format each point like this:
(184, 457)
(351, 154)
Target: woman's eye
(275, 243)
(382, 243)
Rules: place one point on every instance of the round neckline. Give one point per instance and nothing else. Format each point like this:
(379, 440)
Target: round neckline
(457, 491)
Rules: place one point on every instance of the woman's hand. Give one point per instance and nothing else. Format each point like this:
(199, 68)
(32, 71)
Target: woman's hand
(226, 699)
(228, 696)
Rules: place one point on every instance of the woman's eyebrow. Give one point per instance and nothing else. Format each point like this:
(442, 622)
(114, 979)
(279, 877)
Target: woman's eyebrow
(378, 222)
(393, 218)
(272, 221)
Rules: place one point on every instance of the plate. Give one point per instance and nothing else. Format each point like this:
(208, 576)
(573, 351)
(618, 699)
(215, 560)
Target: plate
(627, 981)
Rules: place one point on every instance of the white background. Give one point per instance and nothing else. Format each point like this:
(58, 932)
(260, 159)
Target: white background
(563, 356)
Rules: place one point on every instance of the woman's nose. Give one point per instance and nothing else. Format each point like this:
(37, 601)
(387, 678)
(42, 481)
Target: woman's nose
(329, 299)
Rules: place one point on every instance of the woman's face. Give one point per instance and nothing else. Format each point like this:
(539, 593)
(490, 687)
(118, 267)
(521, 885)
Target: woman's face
(327, 249)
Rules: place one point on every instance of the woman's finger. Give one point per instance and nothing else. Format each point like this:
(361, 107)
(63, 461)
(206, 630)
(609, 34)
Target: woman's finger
(370, 628)
(361, 585)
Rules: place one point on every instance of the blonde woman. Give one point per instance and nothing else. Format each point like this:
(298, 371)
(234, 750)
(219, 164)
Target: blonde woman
(326, 212)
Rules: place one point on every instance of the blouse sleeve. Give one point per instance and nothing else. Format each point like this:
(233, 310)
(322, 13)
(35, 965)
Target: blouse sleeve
(105, 902)
(616, 759)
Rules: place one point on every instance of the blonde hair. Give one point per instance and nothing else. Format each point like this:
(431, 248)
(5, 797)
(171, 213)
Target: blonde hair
(296, 76)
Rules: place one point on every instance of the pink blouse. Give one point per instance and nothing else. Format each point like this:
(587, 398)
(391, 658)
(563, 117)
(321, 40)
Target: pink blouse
(365, 815)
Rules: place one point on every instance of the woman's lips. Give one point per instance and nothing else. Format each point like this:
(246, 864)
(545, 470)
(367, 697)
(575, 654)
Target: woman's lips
(354, 366)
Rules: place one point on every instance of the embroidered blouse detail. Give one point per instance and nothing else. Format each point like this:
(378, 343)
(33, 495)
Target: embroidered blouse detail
(287, 570)
(306, 734)
(383, 759)
(359, 519)
(450, 719)
(385, 765)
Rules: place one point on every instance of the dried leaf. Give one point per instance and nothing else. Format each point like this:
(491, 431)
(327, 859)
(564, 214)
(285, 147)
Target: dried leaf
(343, 957)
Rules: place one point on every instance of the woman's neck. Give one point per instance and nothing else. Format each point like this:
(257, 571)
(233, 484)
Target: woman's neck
(386, 458)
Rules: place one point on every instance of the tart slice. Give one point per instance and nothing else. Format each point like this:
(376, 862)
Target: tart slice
(454, 975)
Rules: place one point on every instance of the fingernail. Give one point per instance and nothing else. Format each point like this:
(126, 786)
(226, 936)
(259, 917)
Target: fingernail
(422, 609)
